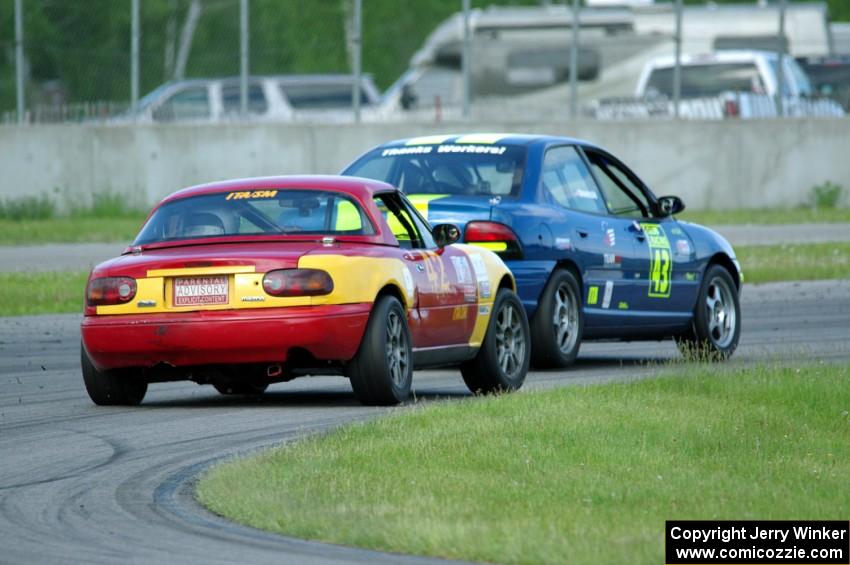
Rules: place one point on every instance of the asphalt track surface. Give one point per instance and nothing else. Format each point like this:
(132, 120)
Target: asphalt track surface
(87, 484)
(84, 256)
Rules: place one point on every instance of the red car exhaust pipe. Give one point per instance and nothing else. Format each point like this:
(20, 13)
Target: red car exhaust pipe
(274, 371)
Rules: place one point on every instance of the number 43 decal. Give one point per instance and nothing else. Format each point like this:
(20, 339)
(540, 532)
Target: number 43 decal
(660, 261)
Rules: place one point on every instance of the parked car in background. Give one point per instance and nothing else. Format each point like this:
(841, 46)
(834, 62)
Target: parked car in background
(595, 253)
(724, 84)
(244, 283)
(272, 98)
(830, 76)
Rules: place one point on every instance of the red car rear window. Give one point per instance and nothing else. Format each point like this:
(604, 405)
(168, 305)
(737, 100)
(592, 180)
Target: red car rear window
(257, 212)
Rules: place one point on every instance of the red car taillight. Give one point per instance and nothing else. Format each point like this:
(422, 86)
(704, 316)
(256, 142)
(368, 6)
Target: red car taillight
(110, 290)
(297, 282)
(494, 236)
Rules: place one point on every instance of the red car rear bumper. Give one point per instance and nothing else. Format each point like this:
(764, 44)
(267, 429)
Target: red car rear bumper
(262, 335)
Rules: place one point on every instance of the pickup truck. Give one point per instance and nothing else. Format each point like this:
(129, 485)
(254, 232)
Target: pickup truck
(723, 84)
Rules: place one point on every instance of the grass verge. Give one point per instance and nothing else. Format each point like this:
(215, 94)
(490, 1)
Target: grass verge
(107, 222)
(573, 475)
(109, 217)
(41, 293)
(59, 292)
(802, 215)
(809, 261)
(70, 230)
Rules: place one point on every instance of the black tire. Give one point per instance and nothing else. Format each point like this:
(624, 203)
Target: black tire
(558, 311)
(241, 389)
(112, 388)
(716, 328)
(495, 369)
(382, 371)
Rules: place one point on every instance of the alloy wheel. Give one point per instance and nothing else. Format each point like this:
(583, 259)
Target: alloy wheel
(510, 345)
(397, 355)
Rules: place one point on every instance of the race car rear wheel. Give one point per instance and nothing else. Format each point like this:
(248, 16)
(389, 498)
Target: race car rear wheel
(382, 371)
(558, 323)
(112, 388)
(717, 319)
(502, 362)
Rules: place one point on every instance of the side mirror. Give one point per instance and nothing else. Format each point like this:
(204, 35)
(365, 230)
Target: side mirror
(445, 234)
(669, 206)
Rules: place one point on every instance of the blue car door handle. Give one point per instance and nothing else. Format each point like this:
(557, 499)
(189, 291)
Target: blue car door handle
(637, 229)
(582, 232)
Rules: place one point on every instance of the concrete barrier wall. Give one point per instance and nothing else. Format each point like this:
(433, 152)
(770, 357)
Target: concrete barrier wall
(730, 164)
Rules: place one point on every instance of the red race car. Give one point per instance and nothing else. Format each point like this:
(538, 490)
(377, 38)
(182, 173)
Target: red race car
(243, 283)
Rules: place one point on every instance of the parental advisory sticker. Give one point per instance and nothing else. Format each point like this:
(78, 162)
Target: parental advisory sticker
(757, 542)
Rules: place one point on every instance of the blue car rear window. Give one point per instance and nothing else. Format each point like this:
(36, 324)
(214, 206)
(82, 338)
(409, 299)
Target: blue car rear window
(449, 168)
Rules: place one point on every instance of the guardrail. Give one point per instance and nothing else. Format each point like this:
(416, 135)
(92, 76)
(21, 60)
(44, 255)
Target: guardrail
(733, 164)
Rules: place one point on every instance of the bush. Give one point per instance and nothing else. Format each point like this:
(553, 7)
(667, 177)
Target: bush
(105, 205)
(27, 208)
(826, 195)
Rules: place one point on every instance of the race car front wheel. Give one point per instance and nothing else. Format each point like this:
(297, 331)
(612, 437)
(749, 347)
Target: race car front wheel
(717, 319)
(558, 322)
(382, 371)
(112, 388)
(502, 362)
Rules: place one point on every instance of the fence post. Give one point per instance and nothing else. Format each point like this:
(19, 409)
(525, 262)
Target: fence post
(355, 58)
(243, 65)
(574, 63)
(19, 58)
(677, 68)
(780, 54)
(466, 60)
(186, 36)
(134, 55)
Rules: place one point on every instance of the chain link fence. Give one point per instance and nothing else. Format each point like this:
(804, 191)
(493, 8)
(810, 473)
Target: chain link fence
(76, 60)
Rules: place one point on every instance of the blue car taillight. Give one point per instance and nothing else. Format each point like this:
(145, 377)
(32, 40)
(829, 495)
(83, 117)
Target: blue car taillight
(494, 236)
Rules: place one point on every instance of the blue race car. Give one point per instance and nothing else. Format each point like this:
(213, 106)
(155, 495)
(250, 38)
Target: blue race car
(595, 254)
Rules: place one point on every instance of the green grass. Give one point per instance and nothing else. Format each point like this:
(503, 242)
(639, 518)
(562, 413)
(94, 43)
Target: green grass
(58, 292)
(70, 230)
(39, 207)
(574, 475)
(802, 215)
(108, 205)
(31, 220)
(87, 226)
(41, 293)
(809, 261)
(109, 218)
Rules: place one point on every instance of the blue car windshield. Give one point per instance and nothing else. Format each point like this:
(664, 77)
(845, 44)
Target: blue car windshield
(256, 213)
(449, 168)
